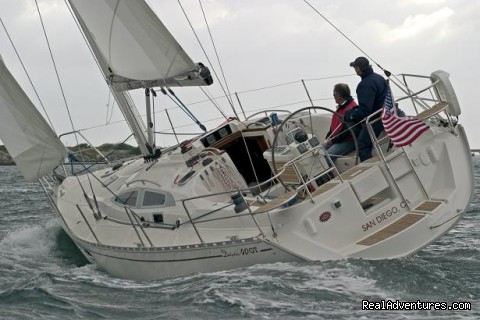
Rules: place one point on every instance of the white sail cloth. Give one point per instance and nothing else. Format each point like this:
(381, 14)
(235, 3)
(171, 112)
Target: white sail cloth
(28, 138)
(133, 42)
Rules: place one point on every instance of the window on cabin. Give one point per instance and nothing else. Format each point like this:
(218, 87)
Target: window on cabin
(128, 198)
(153, 199)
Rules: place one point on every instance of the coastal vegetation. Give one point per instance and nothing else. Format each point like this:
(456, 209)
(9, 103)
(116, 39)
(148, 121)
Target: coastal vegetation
(86, 153)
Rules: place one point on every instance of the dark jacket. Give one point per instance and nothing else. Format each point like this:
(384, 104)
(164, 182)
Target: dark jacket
(371, 92)
(337, 126)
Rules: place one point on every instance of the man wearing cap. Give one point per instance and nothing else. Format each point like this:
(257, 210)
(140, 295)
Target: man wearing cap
(371, 92)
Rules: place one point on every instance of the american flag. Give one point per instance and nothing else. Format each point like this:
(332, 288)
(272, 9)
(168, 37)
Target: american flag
(402, 130)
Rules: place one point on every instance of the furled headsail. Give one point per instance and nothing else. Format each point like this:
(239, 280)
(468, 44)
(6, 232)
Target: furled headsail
(136, 48)
(31, 142)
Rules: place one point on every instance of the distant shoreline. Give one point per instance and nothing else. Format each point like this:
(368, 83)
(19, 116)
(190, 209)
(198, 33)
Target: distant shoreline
(113, 152)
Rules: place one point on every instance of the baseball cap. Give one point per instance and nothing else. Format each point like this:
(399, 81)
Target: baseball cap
(361, 62)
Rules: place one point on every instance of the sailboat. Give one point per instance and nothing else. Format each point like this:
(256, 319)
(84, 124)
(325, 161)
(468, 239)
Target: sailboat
(259, 190)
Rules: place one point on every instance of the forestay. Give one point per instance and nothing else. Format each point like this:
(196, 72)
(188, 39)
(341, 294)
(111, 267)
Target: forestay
(28, 138)
(135, 46)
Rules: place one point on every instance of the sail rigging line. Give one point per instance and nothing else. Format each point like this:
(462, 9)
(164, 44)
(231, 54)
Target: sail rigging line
(270, 87)
(214, 48)
(187, 110)
(339, 31)
(73, 158)
(183, 107)
(96, 178)
(212, 100)
(95, 214)
(28, 75)
(178, 104)
(189, 125)
(87, 169)
(123, 120)
(100, 125)
(241, 107)
(387, 73)
(274, 86)
(208, 59)
(180, 133)
(332, 77)
(171, 124)
(56, 70)
(110, 109)
(87, 199)
(106, 156)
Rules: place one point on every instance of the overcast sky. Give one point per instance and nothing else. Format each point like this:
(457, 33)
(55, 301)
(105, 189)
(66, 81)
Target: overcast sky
(260, 43)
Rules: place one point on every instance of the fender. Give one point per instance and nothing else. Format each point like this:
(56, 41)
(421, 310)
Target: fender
(445, 91)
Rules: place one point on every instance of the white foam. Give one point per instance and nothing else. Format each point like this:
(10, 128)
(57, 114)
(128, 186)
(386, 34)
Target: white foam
(30, 241)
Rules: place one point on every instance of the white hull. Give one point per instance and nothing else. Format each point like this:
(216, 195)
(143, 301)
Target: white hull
(157, 263)
(391, 228)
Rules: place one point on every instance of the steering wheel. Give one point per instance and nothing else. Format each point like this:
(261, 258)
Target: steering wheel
(274, 166)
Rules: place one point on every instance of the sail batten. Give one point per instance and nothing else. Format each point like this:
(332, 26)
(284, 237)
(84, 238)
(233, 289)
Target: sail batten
(29, 139)
(135, 45)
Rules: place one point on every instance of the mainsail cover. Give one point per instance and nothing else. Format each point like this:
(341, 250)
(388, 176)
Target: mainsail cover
(133, 42)
(27, 136)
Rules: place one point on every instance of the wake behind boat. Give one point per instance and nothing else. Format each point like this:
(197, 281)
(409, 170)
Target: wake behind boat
(251, 191)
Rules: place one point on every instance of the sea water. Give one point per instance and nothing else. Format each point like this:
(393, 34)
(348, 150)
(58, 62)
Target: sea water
(44, 276)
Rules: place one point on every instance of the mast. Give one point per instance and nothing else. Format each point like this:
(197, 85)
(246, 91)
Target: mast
(135, 50)
(132, 117)
(123, 99)
(150, 128)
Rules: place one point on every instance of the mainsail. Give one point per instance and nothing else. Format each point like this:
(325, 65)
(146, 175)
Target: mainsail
(27, 136)
(136, 48)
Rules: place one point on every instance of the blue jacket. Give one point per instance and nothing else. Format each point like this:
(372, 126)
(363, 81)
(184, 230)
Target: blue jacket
(371, 92)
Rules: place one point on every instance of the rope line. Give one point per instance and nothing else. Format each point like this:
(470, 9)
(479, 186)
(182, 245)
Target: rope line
(214, 48)
(110, 108)
(387, 73)
(340, 31)
(56, 70)
(206, 93)
(209, 120)
(28, 75)
(206, 55)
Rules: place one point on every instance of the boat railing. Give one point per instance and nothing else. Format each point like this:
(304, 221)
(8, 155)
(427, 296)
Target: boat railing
(414, 97)
(132, 216)
(239, 191)
(426, 113)
(422, 104)
(425, 108)
(369, 122)
(82, 151)
(303, 186)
